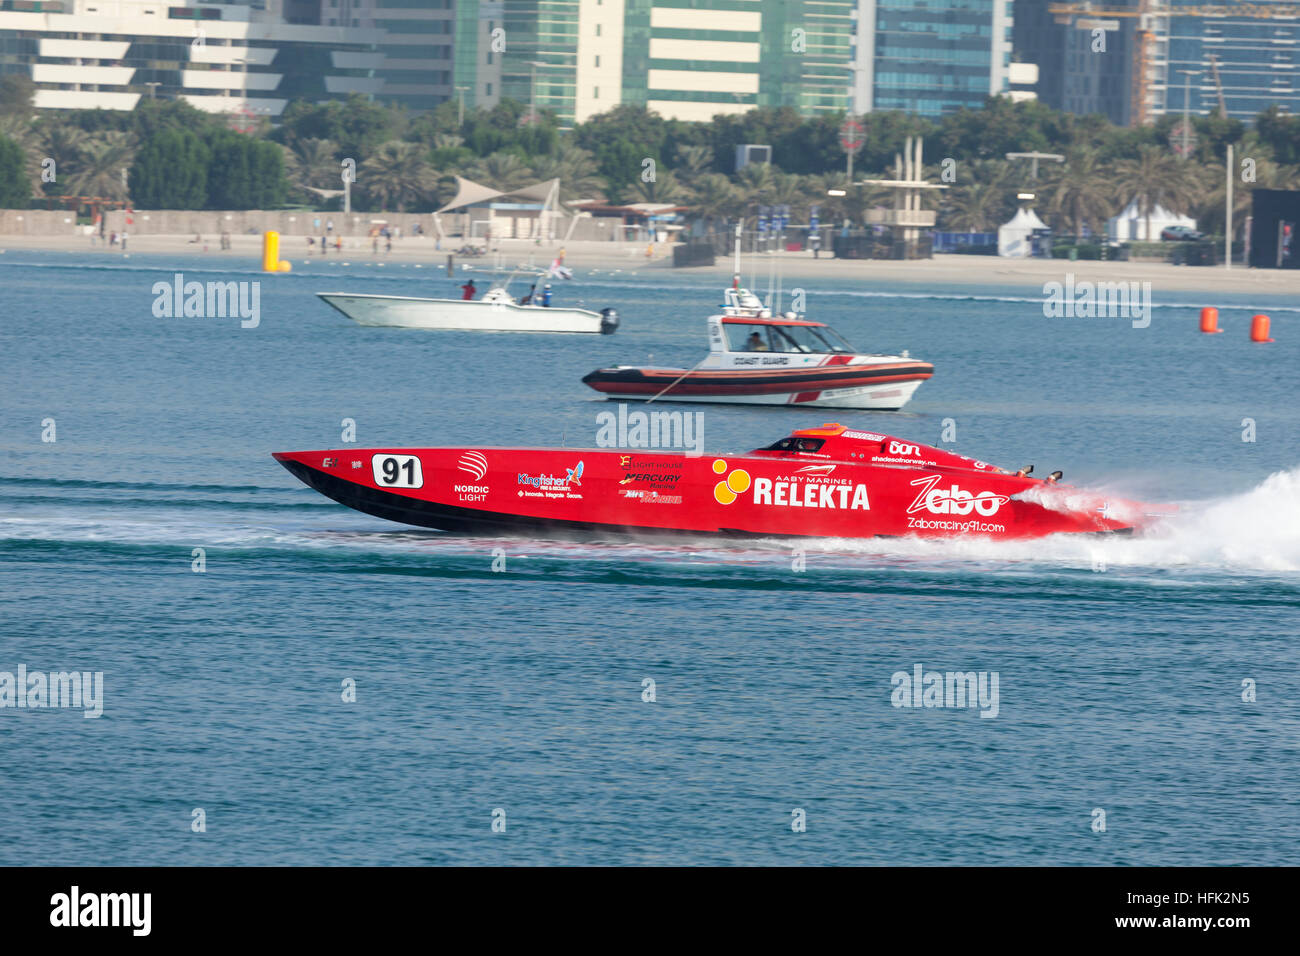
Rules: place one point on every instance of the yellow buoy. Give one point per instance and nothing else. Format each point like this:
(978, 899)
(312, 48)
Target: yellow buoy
(270, 251)
(286, 266)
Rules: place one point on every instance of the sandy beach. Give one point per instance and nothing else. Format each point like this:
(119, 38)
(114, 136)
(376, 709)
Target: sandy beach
(944, 270)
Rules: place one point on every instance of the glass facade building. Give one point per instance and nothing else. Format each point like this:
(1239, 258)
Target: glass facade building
(1256, 61)
(933, 57)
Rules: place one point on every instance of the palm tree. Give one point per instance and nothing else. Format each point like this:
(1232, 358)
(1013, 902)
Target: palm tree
(974, 206)
(104, 159)
(1081, 192)
(396, 175)
(713, 196)
(755, 183)
(787, 190)
(314, 163)
(61, 142)
(500, 171)
(1156, 178)
(576, 170)
(663, 188)
(693, 162)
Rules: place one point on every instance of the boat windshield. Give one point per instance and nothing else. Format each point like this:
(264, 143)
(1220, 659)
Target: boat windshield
(794, 443)
(746, 337)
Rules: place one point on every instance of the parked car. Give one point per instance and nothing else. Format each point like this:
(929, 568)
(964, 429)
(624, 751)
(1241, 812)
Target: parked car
(1180, 234)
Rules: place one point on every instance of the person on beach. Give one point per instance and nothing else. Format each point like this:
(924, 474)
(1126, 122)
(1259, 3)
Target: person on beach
(323, 245)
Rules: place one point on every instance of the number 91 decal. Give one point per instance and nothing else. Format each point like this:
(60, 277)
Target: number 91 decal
(397, 471)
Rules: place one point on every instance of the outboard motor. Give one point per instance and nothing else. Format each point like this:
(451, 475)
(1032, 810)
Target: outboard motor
(608, 321)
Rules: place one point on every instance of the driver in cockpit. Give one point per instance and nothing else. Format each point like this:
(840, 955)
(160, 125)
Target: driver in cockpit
(755, 343)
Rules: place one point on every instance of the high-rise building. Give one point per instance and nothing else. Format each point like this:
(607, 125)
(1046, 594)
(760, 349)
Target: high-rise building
(685, 59)
(222, 57)
(1255, 63)
(1134, 63)
(416, 39)
(939, 56)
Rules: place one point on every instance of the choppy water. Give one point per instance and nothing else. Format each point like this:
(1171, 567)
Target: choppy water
(1120, 661)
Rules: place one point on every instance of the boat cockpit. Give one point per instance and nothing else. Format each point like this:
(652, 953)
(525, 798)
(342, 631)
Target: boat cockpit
(778, 336)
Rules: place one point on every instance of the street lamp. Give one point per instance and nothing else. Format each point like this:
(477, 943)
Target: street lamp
(153, 85)
(1187, 96)
(1036, 156)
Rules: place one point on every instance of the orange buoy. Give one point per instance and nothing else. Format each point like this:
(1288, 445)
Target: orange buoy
(1259, 329)
(1210, 320)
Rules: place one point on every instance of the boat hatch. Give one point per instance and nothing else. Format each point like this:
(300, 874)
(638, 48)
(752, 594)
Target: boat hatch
(754, 336)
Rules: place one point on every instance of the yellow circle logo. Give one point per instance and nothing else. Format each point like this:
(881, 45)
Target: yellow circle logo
(724, 492)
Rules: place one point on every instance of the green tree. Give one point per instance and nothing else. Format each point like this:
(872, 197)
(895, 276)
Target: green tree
(243, 173)
(1281, 133)
(16, 93)
(170, 172)
(15, 189)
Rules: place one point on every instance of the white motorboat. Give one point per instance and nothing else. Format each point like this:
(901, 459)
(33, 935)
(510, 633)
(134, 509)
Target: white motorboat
(496, 311)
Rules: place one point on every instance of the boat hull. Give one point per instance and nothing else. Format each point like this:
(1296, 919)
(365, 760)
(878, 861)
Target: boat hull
(878, 387)
(504, 491)
(458, 314)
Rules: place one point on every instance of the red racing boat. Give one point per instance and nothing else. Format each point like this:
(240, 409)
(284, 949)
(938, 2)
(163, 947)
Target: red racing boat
(831, 481)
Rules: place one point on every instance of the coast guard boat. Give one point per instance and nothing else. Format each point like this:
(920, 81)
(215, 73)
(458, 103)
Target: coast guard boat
(756, 358)
(831, 481)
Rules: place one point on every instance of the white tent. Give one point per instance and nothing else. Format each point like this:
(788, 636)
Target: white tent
(505, 213)
(1129, 224)
(1013, 236)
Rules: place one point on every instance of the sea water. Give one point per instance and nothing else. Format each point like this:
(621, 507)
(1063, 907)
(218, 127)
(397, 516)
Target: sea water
(285, 681)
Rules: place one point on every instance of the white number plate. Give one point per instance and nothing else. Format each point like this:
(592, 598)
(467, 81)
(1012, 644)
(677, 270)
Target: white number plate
(397, 471)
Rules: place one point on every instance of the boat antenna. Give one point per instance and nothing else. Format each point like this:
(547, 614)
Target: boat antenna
(735, 282)
(771, 281)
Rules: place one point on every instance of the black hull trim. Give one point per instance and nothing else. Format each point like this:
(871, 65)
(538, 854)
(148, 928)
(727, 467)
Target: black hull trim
(823, 377)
